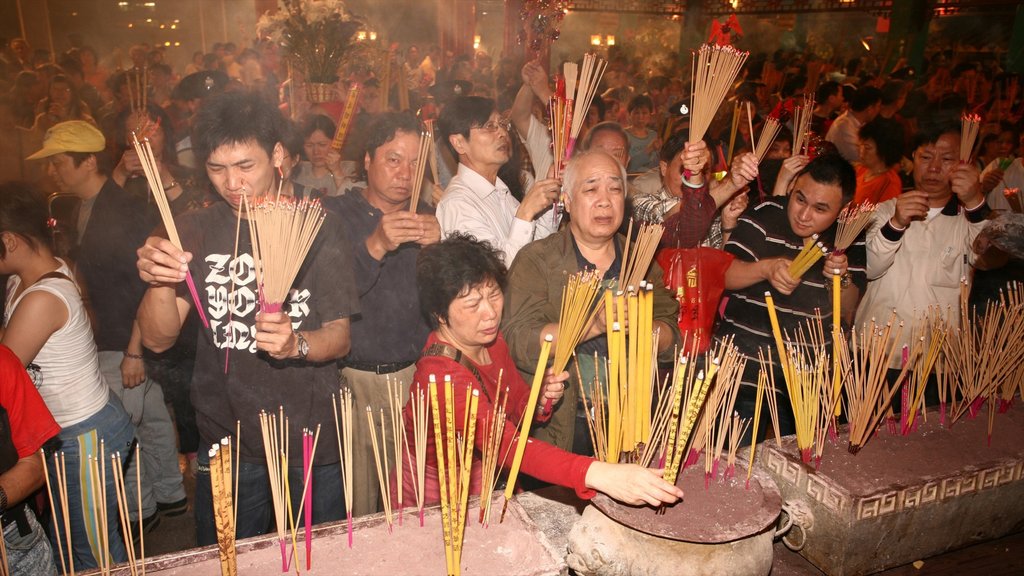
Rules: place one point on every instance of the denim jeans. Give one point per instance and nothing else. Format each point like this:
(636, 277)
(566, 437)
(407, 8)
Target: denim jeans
(255, 503)
(78, 443)
(29, 554)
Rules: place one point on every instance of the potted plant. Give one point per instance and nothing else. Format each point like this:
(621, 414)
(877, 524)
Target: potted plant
(315, 37)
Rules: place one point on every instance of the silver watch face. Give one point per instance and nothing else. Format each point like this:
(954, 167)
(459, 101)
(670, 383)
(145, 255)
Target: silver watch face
(303, 347)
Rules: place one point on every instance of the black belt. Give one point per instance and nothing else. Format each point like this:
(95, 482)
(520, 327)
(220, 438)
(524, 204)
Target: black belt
(379, 369)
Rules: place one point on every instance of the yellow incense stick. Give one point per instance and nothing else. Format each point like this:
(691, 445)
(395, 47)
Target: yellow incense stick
(524, 432)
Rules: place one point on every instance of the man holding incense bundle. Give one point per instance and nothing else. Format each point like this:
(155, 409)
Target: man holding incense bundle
(251, 360)
(111, 222)
(461, 282)
(595, 195)
(919, 244)
(767, 240)
(386, 235)
(477, 200)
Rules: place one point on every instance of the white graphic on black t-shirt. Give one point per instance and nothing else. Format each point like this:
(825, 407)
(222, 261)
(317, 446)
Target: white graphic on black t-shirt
(234, 326)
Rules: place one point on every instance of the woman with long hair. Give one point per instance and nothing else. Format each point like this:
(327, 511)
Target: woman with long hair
(47, 327)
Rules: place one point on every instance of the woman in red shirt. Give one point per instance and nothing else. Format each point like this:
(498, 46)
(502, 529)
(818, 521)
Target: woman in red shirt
(461, 282)
(878, 178)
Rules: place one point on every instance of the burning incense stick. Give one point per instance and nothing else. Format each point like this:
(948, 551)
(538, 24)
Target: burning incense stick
(802, 117)
(494, 425)
(524, 431)
(851, 222)
(570, 103)
(868, 393)
(425, 151)
(714, 70)
(156, 186)
(223, 505)
(970, 124)
(1012, 196)
(442, 477)
(310, 440)
(122, 507)
(769, 131)
(380, 458)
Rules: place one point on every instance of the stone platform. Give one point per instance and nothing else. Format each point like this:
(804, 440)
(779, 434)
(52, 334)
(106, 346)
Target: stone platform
(904, 498)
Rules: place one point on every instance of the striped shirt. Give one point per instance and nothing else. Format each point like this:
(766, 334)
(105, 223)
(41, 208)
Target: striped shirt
(764, 232)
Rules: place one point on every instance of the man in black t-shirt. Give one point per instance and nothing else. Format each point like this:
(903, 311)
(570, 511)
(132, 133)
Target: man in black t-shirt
(248, 360)
(766, 240)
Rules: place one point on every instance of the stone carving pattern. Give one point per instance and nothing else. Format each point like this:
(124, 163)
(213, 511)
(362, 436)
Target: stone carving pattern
(930, 492)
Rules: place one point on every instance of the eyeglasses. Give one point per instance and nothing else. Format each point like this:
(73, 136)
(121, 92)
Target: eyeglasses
(493, 126)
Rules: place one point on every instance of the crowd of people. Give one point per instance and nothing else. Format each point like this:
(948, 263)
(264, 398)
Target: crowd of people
(467, 283)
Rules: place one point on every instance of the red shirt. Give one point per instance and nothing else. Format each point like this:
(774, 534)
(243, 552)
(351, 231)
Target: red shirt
(878, 189)
(31, 422)
(540, 459)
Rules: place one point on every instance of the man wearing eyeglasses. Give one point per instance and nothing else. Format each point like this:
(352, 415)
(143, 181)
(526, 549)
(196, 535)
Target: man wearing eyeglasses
(478, 201)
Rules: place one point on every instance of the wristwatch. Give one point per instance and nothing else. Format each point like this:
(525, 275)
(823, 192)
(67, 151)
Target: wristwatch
(303, 345)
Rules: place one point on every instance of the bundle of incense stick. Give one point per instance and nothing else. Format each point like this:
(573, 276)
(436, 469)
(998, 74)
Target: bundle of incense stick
(309, 443)
(343, 429)
(137, 84)
(808, 257)
(453, 480)
(429, 124)
(769, 131)
(984, 351)
(1012, 196)
(851, 222)
(492, 459)
(579, 297)
(713, 428)
(223, 505)
(570, 103)
(802, 116)
(762, 385)
(95, 506)
(425, 151)
(524, 429)
(632, 367)
(930, 338)
(61, 498)
(637, 258)
(418, 407)
(117, 473)
(152, 171)
(714, 71)
(806, 369)
(283, 230)
(868, 392)
(737, 428)
(767, 372)
(733, 129)
(400, 439)
(341, 134)
(380, 458)
(970, 124)
(684, 416)
(274, 428)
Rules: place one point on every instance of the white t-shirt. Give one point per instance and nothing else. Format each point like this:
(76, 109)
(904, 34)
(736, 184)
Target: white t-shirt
(66, 371)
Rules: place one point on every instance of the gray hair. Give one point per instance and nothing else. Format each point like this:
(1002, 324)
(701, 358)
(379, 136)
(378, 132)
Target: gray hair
(571, 173)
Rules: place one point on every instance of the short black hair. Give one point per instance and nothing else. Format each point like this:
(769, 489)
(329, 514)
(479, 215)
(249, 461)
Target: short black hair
(826, 90)
(887, 134)
(23, 212)
(640, 101)
(865, 98)
(675, 143)
(461, 115)
(931, 129)
(313, 122)
(234, 118)
(447, 269)
(104, 164)
(834, 170)
(386, 126)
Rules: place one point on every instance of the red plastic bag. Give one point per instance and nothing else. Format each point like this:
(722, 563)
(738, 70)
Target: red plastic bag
(697, 277)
